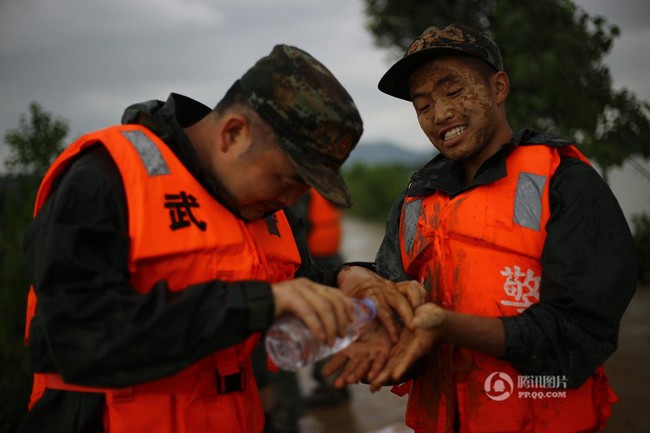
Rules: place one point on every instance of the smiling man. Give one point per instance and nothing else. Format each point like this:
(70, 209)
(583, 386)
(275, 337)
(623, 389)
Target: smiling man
(523, 250)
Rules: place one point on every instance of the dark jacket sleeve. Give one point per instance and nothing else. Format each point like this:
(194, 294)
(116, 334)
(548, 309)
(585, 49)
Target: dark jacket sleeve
(91, 326)
(389, 258)
(588, 279)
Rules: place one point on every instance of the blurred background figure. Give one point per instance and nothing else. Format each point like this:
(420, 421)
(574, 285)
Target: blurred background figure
(324, 234)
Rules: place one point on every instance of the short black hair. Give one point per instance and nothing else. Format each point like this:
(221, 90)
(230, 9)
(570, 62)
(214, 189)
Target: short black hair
(233, 97)
(261, 131)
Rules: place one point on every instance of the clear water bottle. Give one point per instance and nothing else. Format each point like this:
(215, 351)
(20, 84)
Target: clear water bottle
(291, 345)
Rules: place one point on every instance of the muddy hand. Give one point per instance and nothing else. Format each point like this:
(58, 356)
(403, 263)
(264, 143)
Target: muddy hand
(403, 296)
(364, 358)
(412, 345)
(325, 310)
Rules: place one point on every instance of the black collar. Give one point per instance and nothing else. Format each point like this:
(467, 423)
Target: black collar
(446, 175)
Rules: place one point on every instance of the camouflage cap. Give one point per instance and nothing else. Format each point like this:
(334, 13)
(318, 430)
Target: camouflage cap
(433, 42)
(314, 117)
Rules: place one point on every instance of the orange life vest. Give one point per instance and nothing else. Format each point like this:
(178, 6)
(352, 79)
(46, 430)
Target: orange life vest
(480, 253)
(181, 234)
(324, 237)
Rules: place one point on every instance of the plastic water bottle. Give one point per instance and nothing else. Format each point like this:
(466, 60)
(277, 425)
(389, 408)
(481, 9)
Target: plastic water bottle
(291, 345)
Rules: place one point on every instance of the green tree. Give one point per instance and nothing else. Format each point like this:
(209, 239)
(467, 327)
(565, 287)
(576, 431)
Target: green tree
(554, 54)
(375, 187)
(32, 147)
(36, 142)
(624, 131)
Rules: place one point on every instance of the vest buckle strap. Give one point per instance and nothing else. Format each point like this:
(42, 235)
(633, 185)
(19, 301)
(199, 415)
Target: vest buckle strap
(231, 382)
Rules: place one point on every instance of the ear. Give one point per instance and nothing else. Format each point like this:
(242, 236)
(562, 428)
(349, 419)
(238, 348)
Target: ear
(235, 131)
(501, 84)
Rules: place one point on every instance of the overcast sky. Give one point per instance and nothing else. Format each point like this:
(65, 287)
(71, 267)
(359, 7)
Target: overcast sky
(85, 61)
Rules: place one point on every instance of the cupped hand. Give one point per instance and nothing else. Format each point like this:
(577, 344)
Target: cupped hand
(364, 358)
(412, 345)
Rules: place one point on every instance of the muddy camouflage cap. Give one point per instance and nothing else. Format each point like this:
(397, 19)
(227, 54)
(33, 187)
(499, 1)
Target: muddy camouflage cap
(453, 39)
(314, 117)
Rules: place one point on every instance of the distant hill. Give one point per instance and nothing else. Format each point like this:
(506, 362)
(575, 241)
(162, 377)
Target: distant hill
(386, 153)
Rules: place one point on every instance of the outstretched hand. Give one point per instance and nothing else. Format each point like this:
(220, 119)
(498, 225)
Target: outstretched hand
(412, 345)
(364, 358)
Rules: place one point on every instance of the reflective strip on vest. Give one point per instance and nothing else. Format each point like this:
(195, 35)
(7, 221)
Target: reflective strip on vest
(528, 200)
(148, 151)
(411, 215)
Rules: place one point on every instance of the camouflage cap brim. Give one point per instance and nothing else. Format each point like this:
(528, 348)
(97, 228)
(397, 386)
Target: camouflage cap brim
(395, 81)
(323, 176)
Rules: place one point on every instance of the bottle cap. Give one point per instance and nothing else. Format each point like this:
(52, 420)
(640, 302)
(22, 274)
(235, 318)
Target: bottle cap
(370, 304)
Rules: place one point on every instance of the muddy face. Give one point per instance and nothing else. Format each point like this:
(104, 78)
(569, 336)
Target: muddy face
(457, 108)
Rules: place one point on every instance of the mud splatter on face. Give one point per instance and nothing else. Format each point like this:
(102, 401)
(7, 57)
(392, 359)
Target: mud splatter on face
(456, 108)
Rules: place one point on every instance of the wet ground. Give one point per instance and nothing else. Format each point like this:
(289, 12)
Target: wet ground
(383, 412)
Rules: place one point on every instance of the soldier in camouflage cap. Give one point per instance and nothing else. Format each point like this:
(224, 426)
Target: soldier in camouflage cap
(174, 228)
(314, 117)
(463, 220)
(433, 42)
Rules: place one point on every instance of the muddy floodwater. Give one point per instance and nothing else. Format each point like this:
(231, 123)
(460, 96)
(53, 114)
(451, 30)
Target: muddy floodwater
(383, 412)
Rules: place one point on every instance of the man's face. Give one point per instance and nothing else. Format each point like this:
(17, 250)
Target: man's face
(261, 182)
(456, 108)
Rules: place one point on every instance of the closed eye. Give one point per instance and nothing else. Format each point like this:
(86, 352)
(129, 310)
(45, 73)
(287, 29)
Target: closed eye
(422, 109)
(294, 181)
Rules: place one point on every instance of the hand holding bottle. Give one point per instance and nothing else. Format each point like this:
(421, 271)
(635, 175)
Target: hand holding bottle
(325, 310)
(291, 345)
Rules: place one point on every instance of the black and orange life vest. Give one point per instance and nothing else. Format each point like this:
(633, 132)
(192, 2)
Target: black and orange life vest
(480, 253)
(179, 233)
